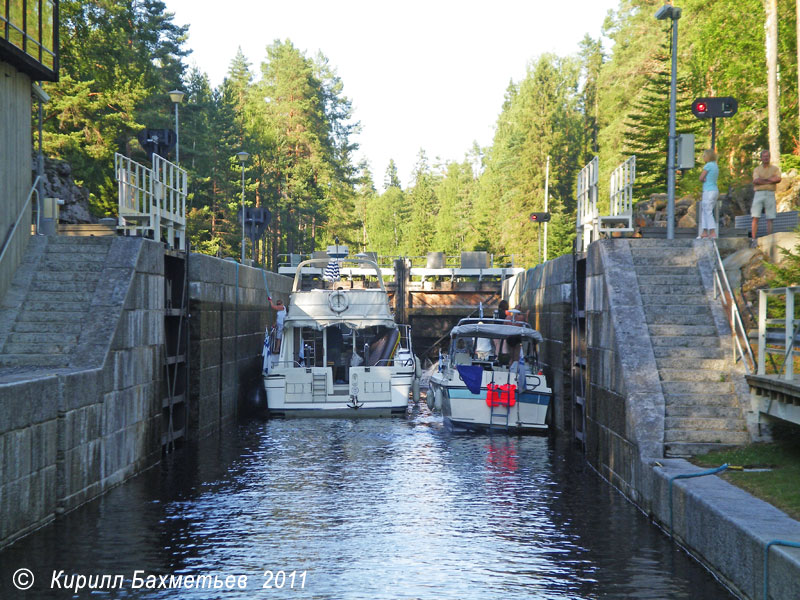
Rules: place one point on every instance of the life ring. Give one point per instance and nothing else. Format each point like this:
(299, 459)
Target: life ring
(338, 301)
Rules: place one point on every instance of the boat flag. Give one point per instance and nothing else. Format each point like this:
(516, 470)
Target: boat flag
(331, 272)
(522, 371)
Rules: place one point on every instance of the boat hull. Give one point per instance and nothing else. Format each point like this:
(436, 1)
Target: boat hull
(463, 410)
(310, 392)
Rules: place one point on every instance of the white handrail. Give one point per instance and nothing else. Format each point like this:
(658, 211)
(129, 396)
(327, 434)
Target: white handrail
(10, 235)
(790, 325)
(735, 318)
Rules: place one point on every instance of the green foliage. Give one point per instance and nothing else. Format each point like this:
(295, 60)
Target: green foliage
(789, 162)
(646, 132)
(290, 113)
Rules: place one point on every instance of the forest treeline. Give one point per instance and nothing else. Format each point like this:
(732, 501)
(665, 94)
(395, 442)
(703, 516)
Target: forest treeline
(289, 111)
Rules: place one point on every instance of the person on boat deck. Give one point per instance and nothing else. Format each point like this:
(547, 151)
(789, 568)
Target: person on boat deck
(483, 348)
(513, 315)
(280, 316)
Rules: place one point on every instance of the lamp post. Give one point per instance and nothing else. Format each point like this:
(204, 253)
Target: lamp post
(242, 156)
(177, 96)
(671, 12)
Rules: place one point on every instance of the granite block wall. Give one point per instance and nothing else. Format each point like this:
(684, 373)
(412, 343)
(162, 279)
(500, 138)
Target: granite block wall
(546, 291)
(230, 313)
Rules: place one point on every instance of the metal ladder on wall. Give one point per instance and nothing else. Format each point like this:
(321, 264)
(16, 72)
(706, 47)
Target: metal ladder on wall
(579, 348)
(175, 395)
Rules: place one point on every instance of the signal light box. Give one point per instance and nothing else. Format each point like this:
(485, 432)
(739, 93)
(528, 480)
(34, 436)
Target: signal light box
(714, 108)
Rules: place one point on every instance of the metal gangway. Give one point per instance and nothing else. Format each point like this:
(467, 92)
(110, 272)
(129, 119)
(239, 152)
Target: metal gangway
(587, 225)
(152, 201)
(622, 179)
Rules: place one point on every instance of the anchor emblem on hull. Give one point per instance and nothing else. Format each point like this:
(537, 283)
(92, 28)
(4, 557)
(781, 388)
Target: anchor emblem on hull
(354, 402)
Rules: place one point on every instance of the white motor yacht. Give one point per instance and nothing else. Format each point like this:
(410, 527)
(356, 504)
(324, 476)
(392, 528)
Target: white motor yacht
(491, 378)
(342, 352)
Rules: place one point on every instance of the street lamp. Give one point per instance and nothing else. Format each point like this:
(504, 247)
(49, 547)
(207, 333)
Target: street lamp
(671, 12)
(176, 96)
(242, 156)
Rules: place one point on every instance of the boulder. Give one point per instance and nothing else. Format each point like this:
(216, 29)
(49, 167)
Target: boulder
(59, 183)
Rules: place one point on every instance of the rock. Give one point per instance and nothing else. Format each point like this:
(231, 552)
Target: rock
(59, 183)
(687, 221)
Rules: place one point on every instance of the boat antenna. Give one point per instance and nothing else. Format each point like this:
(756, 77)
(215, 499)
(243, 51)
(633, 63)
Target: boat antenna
(480, 308)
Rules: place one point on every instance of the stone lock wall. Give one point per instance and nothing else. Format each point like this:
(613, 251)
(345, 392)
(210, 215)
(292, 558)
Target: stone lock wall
(546, 292)
(229, 315)
(67, 435)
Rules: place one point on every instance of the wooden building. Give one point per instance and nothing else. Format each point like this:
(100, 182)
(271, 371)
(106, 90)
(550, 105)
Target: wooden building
(28, 54)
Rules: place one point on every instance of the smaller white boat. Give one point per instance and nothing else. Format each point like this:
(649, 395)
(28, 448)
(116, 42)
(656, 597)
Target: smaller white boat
(491, 378)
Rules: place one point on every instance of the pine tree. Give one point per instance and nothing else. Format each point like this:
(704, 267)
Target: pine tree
(647, 128)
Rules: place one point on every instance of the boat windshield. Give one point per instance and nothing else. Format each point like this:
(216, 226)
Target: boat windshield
(348, 273)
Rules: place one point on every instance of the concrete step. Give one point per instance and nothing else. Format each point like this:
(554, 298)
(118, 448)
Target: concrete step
(684, 449)
(712, 436)
(697, 387)
(671, 289)
(681, 352)
(84, 287)
(692, 375)
(685, 341)
(79, 266)
(56, 338)
(666, 270)
(54, 305)
(693, 330)
(713, 411)
(37, 348)
(695, 423)
(34, 360)
(74, 246)
(82, 298)
(90, 277)
(657, 317)
(674, 299)
(71, 258)
(80, 241)
(692, 314)
(43, 316)
(702, 399)
(50, 326)
(692, 277)
(664, 258)
(690, 363)
(637, 243)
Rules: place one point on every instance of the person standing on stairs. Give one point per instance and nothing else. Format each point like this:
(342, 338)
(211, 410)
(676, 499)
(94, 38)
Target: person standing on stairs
(766, 177)
(710, 194)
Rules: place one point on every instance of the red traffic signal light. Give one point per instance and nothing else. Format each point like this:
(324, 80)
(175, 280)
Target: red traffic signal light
(540, 217)
(714, 108)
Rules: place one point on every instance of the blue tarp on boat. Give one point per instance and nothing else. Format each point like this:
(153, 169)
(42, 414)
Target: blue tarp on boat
(472, 376)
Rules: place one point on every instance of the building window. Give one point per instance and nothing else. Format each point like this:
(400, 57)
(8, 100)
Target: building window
(29, 36)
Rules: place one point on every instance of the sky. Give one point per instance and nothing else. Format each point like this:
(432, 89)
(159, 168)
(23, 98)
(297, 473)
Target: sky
(425, 75)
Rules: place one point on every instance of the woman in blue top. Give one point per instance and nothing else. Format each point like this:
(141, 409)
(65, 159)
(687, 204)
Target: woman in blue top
(710, 195)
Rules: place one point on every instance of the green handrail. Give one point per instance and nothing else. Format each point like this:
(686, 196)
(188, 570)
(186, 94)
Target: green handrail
(689, 476)
(766, 560)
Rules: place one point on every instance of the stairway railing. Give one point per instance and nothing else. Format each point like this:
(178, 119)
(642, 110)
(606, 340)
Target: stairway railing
(13, 231)
(742, 350)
